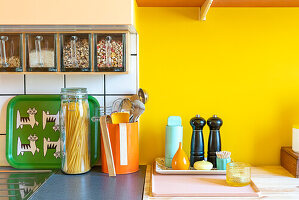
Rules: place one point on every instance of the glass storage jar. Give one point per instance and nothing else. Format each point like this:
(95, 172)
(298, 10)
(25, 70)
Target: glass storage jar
(41, 52)
(75, 131)
(238, 174)
(11, 52)
(110, 52)
(75, 52)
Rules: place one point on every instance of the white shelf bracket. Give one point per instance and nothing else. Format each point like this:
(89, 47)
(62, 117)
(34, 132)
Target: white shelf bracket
(203, 10)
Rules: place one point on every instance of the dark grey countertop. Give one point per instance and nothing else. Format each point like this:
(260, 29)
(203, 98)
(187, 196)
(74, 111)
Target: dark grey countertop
(92, 185)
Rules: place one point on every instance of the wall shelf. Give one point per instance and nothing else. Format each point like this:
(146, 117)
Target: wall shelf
(65, 73)
(218, 3)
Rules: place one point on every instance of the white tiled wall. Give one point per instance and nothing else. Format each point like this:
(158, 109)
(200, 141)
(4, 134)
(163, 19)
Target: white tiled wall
(105, 88)
(43, 84)
(11, 84)
(97, 86)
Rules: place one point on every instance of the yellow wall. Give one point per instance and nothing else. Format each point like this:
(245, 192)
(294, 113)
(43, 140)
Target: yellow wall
(241, 64)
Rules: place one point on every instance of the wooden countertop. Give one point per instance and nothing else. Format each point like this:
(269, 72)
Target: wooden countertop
(274, 182)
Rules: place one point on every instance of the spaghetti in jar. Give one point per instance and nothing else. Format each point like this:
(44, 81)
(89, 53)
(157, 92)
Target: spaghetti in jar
(75, 131)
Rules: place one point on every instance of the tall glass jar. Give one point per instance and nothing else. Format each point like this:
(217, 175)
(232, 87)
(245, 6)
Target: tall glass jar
(75, 131)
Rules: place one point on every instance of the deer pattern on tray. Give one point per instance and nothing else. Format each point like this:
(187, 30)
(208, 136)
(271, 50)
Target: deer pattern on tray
(30, 120)
(25, 147)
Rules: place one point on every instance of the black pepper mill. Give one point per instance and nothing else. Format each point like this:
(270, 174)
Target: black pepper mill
(214, 138)
(197, 143)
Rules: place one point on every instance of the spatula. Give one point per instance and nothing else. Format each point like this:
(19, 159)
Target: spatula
(107, 145)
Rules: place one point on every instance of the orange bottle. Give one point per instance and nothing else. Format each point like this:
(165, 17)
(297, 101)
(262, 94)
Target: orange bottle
(180, 160)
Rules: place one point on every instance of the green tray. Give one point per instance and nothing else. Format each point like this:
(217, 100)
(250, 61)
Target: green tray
(42, 153)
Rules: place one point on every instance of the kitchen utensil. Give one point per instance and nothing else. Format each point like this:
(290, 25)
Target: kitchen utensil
(180, 160)
(137, 110)
(74, 131)
(27, 115)
(134, 97)
(116, 105)
(197, 142)
(214, 138)
(107, 146)
(162, 169)
(143, 95)
(3, 51)
(120, 117)
(125, 106)
(173, 137)
(238, 174)
(125, 148)
(198, 186)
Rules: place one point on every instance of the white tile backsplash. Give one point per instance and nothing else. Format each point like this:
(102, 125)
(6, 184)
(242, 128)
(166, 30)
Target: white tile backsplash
(3, 106)
(3, 161)
(93, 83)
(123, 83)
(43, 84)
(133, 46)
(11, 83)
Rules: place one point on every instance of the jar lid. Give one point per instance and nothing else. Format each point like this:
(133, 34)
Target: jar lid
(73, 91)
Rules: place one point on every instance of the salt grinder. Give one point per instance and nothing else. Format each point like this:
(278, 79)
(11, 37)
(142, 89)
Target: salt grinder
(214, 138)
(197, 143)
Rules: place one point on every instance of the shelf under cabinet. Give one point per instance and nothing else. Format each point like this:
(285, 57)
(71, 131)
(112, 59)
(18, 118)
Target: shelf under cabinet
(219, 3)
(65, 73)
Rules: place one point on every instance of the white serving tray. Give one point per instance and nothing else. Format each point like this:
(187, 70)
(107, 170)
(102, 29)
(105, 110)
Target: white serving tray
(161, 169)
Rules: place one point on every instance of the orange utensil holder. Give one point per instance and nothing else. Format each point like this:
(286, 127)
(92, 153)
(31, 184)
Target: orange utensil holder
(128, 162)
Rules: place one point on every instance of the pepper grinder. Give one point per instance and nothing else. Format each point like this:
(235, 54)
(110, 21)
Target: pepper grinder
(214, 138)
(197, 142)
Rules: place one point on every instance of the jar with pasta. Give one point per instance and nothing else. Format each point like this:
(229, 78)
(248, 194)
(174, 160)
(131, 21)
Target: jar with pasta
(75, 131)
(75, 52)
(110, 53)
(11, 52)
(41, 52)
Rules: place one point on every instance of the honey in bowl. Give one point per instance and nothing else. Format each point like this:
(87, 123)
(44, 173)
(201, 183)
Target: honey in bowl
(238, 174)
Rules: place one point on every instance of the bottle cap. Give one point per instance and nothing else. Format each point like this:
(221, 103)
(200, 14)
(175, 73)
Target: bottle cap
(174, 121)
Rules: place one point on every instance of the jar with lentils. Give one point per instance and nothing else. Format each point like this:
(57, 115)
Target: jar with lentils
(75, 52)
(110, 52)
(11, 52)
